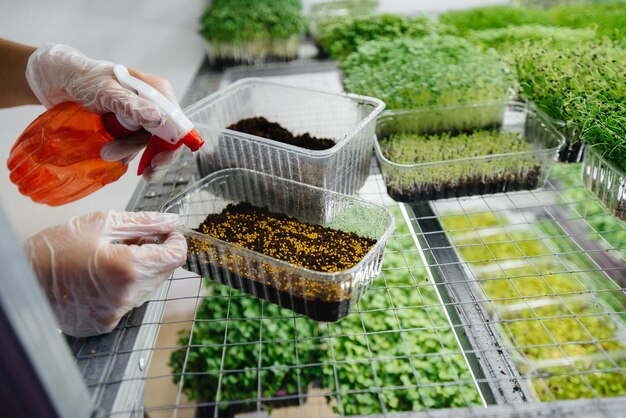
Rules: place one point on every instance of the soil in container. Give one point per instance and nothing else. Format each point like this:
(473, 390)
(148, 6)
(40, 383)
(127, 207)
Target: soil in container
(283, 237)
(262, 127)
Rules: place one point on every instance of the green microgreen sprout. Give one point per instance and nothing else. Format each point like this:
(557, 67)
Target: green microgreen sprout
(343, 36)
(253, 30)
(408, 73)
(464, 159)
(585, 87)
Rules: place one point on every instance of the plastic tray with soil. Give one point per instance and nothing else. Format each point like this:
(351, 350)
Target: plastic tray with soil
(336, 133)
(419, 161)
(307, 249)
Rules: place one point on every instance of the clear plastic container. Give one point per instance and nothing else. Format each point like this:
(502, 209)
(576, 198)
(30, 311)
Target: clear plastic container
(319, 295)
(347, 119)
(557, 331)
(605, 181)
(470, 176)
(567, 348)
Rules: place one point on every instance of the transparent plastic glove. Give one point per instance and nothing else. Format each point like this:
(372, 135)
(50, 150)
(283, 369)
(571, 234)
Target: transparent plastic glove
(99, 266)
(58, 73)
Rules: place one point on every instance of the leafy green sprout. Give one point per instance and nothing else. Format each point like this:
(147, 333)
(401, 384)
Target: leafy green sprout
(582, 86)
(606, 19)
(257, 332)
(326, 13)
(249, 29)
(549, 332)
(343, 36)
(493, 17)
(409, 73)
(457, 155)
(506, 39)
(424, 368)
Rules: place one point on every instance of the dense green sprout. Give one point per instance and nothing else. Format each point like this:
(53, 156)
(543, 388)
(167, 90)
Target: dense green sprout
(512, 272)
(232, 365)
(546, 4)
(606, 19)
(583, 86)
(465, 158)
(342, 37)
(493, 17)
(326, 13)
(435, 70)
(504, 40)
(253, 29)
(424, 368)
(411, 148)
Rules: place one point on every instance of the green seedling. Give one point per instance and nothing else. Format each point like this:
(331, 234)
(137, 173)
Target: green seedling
(605, 18)
(422, 355)
(565, 328)
(463, 158)
(582, 86)
(343, 37)
(233, 335)
(409, 73)
(249, 30)
(504, 40)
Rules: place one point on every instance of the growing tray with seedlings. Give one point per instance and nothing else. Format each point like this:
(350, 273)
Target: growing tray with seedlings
(422, 158)
(333, 134)
(304, 248)
(252, 31)
(560, 320)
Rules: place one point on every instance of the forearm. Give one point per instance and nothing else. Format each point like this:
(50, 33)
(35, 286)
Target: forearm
(14, 89)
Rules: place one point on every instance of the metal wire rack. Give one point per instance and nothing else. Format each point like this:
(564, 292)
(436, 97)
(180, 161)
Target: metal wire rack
(496, 305)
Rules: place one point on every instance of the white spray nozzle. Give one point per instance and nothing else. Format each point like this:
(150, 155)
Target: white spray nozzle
(177, 124)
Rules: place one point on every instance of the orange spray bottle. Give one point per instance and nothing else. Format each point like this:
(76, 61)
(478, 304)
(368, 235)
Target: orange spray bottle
(57, 158)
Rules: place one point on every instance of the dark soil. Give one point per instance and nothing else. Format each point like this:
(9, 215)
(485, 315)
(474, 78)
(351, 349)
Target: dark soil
(572, 152)
(468, 187)
(282, 237)
(262, 127)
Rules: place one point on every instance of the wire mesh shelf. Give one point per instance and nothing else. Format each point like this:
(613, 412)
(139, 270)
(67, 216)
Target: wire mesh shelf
(486, 306)
(532, 279)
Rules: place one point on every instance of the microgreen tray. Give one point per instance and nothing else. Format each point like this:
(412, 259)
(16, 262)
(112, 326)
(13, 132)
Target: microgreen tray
(448, 172)
(320, 295)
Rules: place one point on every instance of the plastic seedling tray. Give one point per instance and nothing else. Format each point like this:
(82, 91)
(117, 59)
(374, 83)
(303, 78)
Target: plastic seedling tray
(322, 296)
(348, 120)
(567, 349)
(480, 174)
(605, 181)
(558, 331)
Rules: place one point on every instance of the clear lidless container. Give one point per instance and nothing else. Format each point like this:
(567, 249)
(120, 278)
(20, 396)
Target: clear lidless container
(567, 348)
(322, 296)
(605, 181)
(477, 175)
(348, 120)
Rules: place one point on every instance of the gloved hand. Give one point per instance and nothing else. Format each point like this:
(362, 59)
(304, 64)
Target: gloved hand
(99, 266)
(58, 73)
